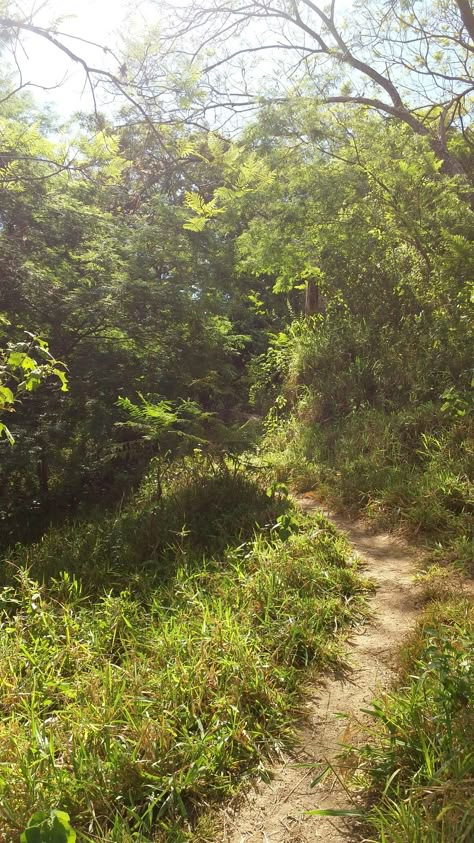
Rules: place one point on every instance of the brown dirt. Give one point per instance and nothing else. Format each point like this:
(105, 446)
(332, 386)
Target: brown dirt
(275, 812)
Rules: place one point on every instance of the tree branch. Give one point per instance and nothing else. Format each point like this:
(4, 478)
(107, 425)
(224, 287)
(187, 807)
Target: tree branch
(467, 16)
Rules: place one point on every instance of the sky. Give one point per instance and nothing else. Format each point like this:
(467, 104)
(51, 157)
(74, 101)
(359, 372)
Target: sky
(109, 23)
(103, 21)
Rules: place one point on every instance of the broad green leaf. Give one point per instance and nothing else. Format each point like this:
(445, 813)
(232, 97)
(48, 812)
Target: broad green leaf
(15, 359)
(32, 382)
(4, 431)
(52, 827)
(28, 364)
(63, 378)
(61, 830)
(31, 835)
(6, 396)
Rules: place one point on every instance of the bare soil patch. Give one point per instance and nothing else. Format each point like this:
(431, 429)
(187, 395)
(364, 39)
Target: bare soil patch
(276, 812)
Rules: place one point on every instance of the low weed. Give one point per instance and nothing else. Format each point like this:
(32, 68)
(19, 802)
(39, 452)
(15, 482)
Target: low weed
(439, 582)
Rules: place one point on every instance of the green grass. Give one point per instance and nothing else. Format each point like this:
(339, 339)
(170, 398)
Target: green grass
(419, 762)
(192, 509)
(409, 468)
(135, 708)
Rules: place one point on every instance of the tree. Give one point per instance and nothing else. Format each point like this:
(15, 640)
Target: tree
(16, 23)
(388, 237)
(120, 78)
(96, 259)
(410, 62)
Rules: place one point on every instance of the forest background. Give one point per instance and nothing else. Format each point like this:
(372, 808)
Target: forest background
(246, 265)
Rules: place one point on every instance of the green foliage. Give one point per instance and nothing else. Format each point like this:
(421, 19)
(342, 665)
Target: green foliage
(371, 400)
(419, 762)
(49, 827)
(408, 468)
(391, 250)
(166, 424)
(243, 173)
(136, 697)
(455, 404)
(96, 261)
(151, 653)
(24, 366)
(160, 415)
(269, 370)
(193, 506)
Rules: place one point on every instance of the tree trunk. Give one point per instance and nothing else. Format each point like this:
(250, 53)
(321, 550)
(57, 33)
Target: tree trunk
(314, 301)
(43, 476)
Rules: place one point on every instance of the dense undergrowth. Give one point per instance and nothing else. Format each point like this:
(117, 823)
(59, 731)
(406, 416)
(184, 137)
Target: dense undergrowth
(377, 429)
(409, 466)
(419, 763)
(394, 467)
(147, 666)
(187, 509)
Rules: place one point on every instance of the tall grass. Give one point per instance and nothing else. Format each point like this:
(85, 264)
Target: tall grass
(193, 508)
(408, 468)
(419, 763)
(134, 708)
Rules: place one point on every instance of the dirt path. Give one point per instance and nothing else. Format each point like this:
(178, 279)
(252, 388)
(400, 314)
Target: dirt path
(275, 813)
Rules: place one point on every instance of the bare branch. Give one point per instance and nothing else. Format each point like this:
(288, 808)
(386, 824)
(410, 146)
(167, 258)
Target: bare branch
(90, 71)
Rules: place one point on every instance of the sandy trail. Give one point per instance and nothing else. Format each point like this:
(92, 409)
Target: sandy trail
(275, 812)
